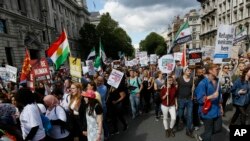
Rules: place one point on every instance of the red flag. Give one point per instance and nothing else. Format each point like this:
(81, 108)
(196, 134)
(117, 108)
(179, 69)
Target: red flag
(183, 58)
(26, 67)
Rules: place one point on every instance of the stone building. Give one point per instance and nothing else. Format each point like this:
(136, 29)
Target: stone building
(216, 12)
(95, 18)
(37, 23)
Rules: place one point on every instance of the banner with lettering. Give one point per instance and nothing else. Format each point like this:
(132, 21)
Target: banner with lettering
(115, 78)
(153, 59)
(224, 43)
(195, 56)
(3, 73)
(40, 67)
(11, 73)
(91, 68)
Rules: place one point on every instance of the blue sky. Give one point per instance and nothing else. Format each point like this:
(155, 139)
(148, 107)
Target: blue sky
(140, 17)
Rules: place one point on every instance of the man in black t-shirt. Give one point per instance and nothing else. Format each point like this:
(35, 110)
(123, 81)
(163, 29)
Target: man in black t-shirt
(184, 96)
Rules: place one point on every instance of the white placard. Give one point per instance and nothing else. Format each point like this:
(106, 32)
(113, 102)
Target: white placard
(144, 61)
(224, 43)
(153, 59)
(166, 63)
(91, 68)
(85, 69)
(207, 51)
(115, 78)
(3, 73)
(177, 56)
(11, 73)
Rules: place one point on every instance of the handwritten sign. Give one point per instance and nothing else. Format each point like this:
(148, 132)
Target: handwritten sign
(115, 78)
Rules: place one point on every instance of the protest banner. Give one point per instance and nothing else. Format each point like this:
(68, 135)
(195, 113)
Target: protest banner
(115, 78)
(11, 73)
(153, 59)
(3, 73)
(85, 69)
(143, 60)
(207, 51)
(91, 68)
(166, 63)
(75, 67)
(40, 69)
(177, 56)
(195, 56)
(224, 43)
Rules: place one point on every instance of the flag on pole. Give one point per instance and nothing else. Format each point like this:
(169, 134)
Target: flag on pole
(183, 58)
(98, 63)
(26, 68)
(183, 35)
(102, 53)
(59, 50)
(91, 54)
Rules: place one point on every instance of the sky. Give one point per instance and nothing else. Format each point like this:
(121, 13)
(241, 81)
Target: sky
(140, 17)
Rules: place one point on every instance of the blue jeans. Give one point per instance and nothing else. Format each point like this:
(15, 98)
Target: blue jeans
(157, 102)
(188, 104)
(135, 103)
(212, 126)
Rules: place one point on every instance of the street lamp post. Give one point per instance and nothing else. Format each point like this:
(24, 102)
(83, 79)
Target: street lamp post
(44, 13)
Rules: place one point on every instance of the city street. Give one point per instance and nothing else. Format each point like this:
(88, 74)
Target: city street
(145, 128)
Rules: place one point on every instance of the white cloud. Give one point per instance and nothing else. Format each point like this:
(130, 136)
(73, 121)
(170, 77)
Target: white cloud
(134, 20)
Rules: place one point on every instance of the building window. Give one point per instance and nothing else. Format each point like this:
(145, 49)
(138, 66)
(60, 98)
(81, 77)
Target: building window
(53, 4)
(44, 36)
(248, 12)
(3, 28)
(194, 37)
(8, 52)
(235, 16)
(1, 3)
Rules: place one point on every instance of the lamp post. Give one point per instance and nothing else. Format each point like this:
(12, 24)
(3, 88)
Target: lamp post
(44, 14)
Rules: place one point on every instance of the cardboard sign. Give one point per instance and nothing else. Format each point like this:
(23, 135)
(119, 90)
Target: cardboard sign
(115, 78)
(11, 73)
(208, 51)
(224, 43)
(144, 61)
(177, 56)
(40, 67)
(75, 67)
(166, 63)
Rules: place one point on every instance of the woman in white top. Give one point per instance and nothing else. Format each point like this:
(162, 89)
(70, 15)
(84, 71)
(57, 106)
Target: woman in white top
(31, 122)
(58, 119)
(94, 116)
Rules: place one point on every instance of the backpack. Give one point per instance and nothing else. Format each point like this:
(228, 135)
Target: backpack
(45, 120)
(69, 122)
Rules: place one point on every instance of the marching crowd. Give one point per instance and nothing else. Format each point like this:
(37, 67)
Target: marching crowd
(62, 110)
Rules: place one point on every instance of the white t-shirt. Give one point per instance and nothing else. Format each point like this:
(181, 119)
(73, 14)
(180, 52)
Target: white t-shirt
(55, 132)
(65, 101)
(29, 118)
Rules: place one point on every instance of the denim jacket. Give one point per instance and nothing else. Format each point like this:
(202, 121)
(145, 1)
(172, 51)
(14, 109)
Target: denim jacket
(206, 88)
(240, 99)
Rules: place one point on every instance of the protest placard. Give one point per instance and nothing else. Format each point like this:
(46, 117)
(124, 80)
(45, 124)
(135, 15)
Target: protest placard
(91, 68)
(40, 67)
(115, 78)
(224, 43)
(3, 73)
(11, 73)
(166, 63)
(153, 59)
(195, 56)
(75, 67)
(177, 56)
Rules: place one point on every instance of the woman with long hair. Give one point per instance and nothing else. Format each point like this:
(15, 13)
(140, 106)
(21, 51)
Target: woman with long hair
(92, 86)
(57, 116)
(94, 117)
(158, 85)
(241, 96)
(148, 85)
(74, 105)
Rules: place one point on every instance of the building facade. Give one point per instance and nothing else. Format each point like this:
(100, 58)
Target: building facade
(217, 12)
(35, 24)
(95, 18)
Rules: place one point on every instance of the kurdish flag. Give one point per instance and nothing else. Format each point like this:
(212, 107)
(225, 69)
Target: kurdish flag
(183, 34)
(59, 50)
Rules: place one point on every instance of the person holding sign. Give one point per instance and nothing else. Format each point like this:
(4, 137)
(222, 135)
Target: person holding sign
(169, 105)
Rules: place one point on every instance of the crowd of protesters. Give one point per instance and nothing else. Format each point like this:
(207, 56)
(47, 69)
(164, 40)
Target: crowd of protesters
(90, 110)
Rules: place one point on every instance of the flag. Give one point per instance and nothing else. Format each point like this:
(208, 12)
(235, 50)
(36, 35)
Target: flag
(26, 68)
(183, 35)
(91, 54)
(102, 53)
(98, 63)
(59, 50)
(183, 58)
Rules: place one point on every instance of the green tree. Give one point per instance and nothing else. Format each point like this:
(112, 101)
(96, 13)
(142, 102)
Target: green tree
(89, 39)
(114, 38)
(153, 43)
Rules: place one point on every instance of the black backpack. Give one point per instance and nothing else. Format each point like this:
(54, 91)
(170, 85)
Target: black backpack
(69, 120)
